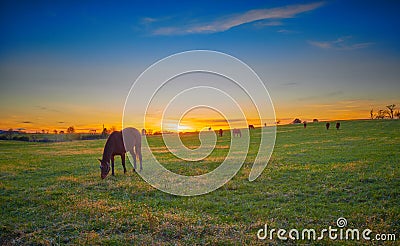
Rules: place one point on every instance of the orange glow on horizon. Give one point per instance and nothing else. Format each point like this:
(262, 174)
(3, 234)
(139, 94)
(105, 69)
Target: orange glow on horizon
(186, 126)
(196, 121)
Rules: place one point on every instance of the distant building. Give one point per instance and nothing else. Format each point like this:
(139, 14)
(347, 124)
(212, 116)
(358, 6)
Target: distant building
(296, 121)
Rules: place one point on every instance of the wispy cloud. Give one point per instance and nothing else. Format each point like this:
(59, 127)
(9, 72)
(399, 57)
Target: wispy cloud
(342, 43)
(44, 108)
(285, 31)
(227, 22)
(148, 20)
(290, 84)
(268, 23)
(332, 94)
(342, 103)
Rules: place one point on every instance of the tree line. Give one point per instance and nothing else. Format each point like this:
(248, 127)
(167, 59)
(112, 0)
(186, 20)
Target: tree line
(389, 113)
(55, 135)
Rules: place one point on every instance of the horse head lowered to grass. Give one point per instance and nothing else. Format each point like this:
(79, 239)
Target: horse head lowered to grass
(115, 146)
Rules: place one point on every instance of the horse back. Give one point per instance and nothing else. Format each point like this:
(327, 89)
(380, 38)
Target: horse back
(116, 143)
(132, 139)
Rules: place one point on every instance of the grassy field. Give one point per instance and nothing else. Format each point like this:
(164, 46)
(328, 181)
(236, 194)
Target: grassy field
(51, 193)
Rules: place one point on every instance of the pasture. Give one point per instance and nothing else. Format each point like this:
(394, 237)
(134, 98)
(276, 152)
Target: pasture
(52, 193)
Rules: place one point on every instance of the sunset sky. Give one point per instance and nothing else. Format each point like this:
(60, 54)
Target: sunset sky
(72, 63)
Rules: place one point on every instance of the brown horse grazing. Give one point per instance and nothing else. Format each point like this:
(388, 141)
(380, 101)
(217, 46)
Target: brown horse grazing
(115, 146)
(237, 133)
(251, 127)
(337, 125)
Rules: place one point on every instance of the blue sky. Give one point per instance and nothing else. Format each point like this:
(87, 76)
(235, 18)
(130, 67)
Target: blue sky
(67, 60)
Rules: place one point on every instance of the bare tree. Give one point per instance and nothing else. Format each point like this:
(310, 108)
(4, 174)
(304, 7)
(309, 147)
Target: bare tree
(10, 133)
(104, 133)
(397, 114)
(380, 114)
(70, 130)
(391, 109)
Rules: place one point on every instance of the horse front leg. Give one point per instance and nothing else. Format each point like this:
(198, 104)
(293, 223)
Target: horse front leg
(112, 165)
(123, 162)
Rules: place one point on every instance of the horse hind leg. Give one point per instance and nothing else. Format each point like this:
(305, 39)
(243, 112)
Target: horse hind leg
(112, 165)
(123, 162)
(134, 159)
(139, 152)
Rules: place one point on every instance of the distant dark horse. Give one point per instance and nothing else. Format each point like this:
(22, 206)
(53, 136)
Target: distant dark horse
(251, 126)
(220, 132)
(237, 132)
(115, 146)
(337, 125)
(328, 125)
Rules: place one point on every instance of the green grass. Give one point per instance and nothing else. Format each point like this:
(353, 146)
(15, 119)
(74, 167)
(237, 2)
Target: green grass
(51, 193)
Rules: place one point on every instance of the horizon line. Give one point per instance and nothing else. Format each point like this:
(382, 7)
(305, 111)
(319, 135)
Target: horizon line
(87, 129)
